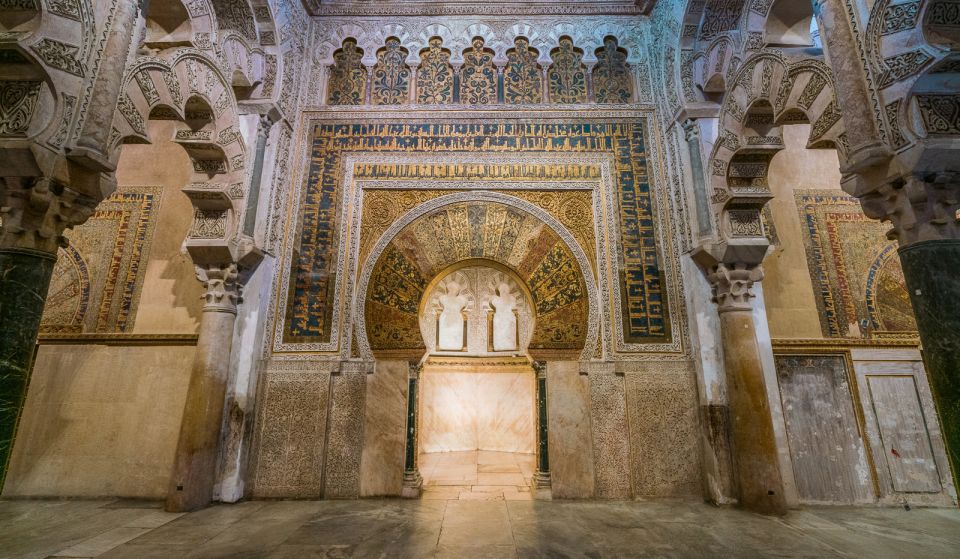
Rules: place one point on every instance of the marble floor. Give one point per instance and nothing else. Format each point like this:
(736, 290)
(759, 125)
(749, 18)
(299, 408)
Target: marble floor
(465, 529)
(478, 475)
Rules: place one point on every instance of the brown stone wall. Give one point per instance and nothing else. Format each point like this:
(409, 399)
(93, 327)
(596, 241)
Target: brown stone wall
(100, 421)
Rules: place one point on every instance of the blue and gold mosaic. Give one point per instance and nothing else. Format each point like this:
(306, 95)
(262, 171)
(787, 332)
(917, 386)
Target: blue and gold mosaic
(308, 316)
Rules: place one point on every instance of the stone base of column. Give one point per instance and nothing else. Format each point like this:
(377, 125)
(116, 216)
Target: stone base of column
(930, 268)
(412, 485)
(542, 490)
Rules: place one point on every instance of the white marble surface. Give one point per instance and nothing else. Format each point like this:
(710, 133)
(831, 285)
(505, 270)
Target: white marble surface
(477, 411)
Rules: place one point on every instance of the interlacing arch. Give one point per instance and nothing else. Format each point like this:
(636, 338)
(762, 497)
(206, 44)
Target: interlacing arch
(768, 92)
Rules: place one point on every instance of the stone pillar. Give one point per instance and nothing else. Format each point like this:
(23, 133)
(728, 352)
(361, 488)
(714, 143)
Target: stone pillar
(457, 77)
(94, 138)
(541, 478)
(34, 212)
(412, 90)
(591, 96)
(930, 269)
(412, 481)
(854, 98)
(704, 223)
(756, 463)
(924, 210)
(368, 91)
(256, 177)
(195, 462)
(545, 84)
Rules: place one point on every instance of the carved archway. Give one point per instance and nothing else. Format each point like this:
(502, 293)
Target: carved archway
(769, 91)
(398, 259)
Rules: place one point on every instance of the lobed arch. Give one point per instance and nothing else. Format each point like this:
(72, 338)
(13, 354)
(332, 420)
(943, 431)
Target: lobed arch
(188, 88)
(543, 39)
(913, 53)
(392, 242)
(768, 92)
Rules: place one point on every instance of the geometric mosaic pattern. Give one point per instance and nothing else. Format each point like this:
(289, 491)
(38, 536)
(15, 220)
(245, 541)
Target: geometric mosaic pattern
(315, 253)
(97, 279)
(857, 279)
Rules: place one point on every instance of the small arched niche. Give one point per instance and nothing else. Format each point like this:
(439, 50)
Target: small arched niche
(477, 308)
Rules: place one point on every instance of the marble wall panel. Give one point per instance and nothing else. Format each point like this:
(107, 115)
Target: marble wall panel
(100, 421)
(611, 448)
(477, 411)
(291, 430)
(570, 438)
(345, 436)
(664, 431)
(384, 430)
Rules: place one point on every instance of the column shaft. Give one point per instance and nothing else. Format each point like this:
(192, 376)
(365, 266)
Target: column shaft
(843, 55)
(754, 443)
(542, 478)
(930, 268)
(412, 481)
(195, 462)
(95, 134)
(24, 280)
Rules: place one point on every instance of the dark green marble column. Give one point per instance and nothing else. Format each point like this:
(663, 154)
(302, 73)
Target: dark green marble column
(932, 271)
(412, 481)
(24, 280)
(541, 478)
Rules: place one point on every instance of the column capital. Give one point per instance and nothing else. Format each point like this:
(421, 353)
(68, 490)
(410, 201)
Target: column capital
(691, 131)
(919, 207)
(732, 285)
(35, 212)
(223, 288)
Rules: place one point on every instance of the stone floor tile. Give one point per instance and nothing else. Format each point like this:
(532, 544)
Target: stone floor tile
(493, 488)
(154, 519)
(481, 496)
(519, 496)
(478, 552)
(500, 479)
(103, 542)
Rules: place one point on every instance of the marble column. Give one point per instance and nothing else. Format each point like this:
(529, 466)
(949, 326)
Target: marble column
(195, 462)
(34, 212)
(541, 478)
(930, 269)
(412, 480)
(691, 132)
(93, 142)
(256, 177)
(24, 280)
(853, 95)
(756, 463)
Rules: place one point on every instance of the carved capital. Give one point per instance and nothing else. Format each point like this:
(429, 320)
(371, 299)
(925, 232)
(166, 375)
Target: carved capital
(732, 285)
(540, 368)
(919, 208)
(224, 291)
(35, 211)
(691, 132)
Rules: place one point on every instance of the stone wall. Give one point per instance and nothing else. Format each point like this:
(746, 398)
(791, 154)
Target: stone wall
(100, 421)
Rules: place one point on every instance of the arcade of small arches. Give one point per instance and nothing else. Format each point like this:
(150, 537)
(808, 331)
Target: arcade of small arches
(635, 244)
